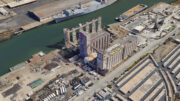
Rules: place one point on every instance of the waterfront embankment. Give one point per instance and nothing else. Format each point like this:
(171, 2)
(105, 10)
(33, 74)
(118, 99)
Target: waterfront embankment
(50, 36)
(22, 21)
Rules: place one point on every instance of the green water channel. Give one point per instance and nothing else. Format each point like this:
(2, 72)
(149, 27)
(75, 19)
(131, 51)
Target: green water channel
(50, 36)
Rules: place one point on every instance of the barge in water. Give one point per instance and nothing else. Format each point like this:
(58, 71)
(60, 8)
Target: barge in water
(131, 12)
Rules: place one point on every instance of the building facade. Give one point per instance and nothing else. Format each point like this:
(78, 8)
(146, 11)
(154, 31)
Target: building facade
(93, 42)
(82, 28)
(113, 55)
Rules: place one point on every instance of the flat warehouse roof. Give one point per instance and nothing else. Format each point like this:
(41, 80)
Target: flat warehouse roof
(171, 57)
(137, 78)
(145, 87)
(15, 4)
(7, 1)
(54, 7)
(176, 68)
(174, 62)
(154, 91)
(133, 72)
(161, 94)
(35, 83)
(2, 4)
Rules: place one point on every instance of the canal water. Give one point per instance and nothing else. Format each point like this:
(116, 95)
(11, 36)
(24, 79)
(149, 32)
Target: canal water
(50, 36)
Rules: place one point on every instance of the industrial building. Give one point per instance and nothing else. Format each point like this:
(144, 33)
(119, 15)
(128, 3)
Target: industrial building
(97, 43)
(103, 94)
(85, 29)
(93, 42)
(109, 54)
(46, 11)
(145, 81)
(172, 63)
(14, 3)
(49, 10)
(177, 16)
(116, 53)
(142, 83)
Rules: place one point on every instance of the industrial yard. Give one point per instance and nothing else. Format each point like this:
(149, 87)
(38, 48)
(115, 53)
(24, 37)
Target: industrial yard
(65, 86)
(24, 74)
(136, 59)
(46, 73)
(150, 25)
(12, 22)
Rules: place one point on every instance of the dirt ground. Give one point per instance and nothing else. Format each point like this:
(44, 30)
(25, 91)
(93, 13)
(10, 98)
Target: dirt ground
(163, 50)
(117, 30)
(177, 3)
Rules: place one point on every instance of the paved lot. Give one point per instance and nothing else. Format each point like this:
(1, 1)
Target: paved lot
(21, 12)
(22, 17)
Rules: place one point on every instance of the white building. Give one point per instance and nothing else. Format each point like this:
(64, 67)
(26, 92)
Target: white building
(115, 53)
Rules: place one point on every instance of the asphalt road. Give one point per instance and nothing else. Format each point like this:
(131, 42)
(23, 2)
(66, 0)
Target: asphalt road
(103, 82)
